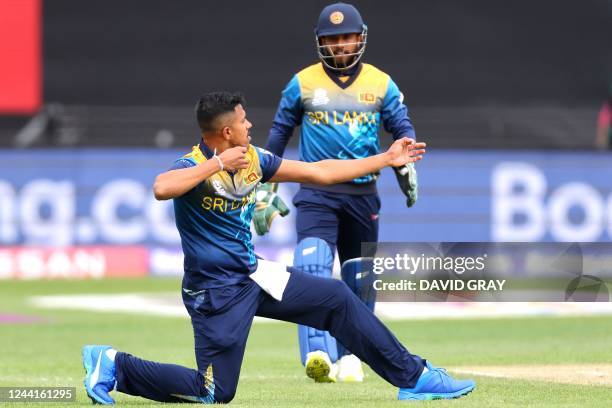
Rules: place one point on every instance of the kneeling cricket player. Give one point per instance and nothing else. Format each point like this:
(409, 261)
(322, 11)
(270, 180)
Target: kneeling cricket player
(225, 285)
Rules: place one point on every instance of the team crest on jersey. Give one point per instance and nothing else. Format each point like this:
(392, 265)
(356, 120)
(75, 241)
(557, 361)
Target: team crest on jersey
(320, 97)
(367, 97)
(251, 178)
(336, 17)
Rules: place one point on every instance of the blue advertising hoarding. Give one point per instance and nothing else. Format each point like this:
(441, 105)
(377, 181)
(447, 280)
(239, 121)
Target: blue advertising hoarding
(104, 197)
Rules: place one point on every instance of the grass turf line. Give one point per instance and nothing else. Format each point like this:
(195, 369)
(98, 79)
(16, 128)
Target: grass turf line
(48, 354)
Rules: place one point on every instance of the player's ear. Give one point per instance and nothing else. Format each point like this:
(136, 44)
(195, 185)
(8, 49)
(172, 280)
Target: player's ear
(226, 132)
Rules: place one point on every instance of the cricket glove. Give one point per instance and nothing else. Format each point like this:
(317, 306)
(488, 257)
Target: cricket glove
(268, 205)
(407, 179)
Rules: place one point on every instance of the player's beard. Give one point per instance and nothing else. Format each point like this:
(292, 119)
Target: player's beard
(343, 61)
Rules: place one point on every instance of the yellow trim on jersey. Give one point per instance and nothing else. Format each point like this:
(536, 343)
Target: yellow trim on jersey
(242, 177)
(370, 80)
(254, 165)
(197, 154)
(243, 181)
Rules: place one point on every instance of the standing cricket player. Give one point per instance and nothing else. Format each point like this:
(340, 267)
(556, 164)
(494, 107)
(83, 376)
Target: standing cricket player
(225, 286)
(340, 104)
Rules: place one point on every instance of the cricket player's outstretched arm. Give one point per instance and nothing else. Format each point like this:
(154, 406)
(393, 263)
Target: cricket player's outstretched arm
(175, 183)
(402, 151)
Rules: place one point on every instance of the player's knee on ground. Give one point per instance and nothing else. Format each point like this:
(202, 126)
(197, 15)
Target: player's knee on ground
(225, 397)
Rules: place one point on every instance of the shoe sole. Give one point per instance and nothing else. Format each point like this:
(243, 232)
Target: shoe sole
(88, 366)
(408, 396)
(318, 369)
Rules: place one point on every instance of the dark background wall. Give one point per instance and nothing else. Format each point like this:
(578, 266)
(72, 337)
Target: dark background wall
(442, 53)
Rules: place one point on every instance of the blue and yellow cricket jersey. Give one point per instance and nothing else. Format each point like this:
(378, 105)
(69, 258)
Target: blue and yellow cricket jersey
(214, 219)
(339, 120)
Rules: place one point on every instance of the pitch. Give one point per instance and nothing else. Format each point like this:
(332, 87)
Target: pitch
(536, 361)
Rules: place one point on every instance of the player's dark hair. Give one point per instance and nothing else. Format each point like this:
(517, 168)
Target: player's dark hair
(213, 104)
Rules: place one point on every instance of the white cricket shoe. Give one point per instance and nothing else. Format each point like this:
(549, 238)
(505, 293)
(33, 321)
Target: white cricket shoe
(320, 368)
(349, 369)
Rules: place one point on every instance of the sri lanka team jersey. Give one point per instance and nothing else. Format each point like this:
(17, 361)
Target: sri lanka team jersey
(214, 219)
(341, 120)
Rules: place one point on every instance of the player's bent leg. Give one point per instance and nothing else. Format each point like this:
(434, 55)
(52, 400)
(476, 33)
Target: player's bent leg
(219, 353)
(220, 333)
(162, 382)
(107, 370)
(318, 348)
(220, 340)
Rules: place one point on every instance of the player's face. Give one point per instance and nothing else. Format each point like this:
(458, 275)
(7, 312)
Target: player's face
(342, 46)
(240, 128)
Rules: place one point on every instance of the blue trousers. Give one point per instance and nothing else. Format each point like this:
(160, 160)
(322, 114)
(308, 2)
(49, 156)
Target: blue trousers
(344, 221)
(222, 318)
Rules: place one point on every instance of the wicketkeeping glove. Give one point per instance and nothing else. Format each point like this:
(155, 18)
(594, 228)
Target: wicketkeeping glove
(407, 178)
(268, 205)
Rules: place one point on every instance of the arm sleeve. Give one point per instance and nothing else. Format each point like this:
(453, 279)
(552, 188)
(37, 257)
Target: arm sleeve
(395, 114)
(269, 163)
(288, 116)
(181, 163)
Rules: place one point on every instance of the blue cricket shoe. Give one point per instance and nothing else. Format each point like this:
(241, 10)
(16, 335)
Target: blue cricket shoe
(436, 384)
(99, 374)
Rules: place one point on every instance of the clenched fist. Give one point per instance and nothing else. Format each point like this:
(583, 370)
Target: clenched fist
(234, 158)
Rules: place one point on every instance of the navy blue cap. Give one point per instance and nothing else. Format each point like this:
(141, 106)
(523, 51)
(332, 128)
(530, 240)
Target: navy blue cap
(339, 18)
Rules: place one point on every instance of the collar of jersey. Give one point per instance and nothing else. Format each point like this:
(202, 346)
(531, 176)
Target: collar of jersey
(205, 150)
(209, 154)
(335, 75)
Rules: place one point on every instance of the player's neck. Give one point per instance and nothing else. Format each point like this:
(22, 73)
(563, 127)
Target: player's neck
(342, 73)
(217, 144)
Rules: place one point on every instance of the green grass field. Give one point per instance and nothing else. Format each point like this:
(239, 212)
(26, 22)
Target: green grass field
(48, 353)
